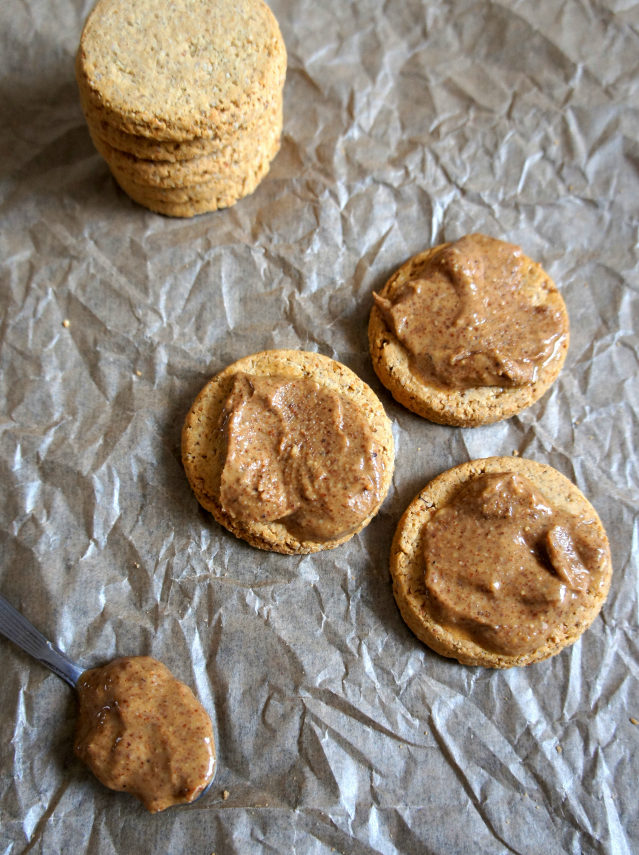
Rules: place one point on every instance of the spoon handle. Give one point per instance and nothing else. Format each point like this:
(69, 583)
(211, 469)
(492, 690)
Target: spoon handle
(19, 630)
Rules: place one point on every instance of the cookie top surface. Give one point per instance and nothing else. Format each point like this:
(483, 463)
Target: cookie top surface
(469, 332)
(289, 450)
(500, 562)
(180, 68)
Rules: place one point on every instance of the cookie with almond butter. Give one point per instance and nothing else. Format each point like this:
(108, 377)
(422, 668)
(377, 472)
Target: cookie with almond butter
(500, 562)
(468, 333)
(289, 450)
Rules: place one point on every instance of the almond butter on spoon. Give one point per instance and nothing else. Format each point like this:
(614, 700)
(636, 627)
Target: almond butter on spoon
(139, 730)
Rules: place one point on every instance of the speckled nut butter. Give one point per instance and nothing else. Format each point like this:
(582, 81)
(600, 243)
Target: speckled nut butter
(143, 732)
(469, 332)
(289, 450)
(500, 562)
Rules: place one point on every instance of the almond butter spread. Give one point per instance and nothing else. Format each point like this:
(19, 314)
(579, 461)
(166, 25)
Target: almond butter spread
(300, 454)
(472, 315)
(503, 567)
(141, 730)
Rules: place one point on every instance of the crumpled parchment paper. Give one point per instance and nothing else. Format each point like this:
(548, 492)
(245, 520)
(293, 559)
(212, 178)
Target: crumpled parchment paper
(406, 124)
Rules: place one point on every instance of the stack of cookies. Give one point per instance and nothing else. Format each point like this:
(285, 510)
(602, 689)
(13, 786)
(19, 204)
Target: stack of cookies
(183, 98)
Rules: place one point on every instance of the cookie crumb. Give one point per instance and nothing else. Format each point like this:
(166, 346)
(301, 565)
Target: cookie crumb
(138, 373)
(225, 794)
(558, 749)
(515, 453)
(66, 323)
(634, 720)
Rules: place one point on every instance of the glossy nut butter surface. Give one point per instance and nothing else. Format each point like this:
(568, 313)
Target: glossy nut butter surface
(476, 313)
(299, 454)
(142, 731)
(503, 566)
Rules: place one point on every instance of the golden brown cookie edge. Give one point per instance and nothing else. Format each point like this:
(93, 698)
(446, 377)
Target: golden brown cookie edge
(235, 158)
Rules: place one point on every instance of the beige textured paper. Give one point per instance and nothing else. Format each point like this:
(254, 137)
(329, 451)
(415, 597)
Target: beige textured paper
(406, 124)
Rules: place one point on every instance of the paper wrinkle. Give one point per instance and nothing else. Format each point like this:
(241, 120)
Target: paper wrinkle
(336, 730)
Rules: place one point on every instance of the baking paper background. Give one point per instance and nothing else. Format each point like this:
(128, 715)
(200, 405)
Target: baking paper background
(406, 124)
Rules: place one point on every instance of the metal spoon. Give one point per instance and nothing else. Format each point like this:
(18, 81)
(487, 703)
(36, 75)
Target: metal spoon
(18, 629)
(15, 627)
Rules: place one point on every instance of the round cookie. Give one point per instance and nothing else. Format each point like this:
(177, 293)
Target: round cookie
(408, 571)
(149, 149)
(180, 69)
(230, 161)
(190, 200)
(204, 447)
(466, 407)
